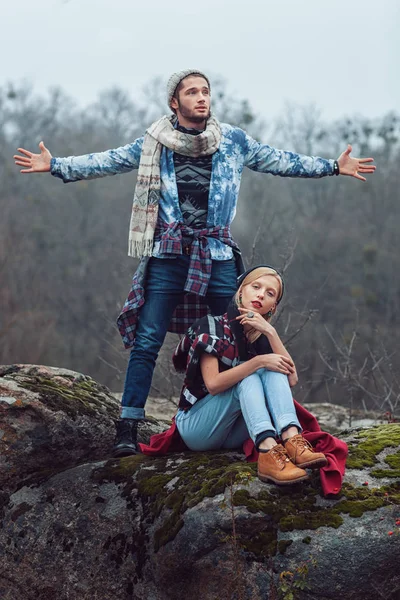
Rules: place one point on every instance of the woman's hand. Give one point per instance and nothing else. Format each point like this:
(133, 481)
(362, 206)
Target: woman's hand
(34, 163)
(257, 321)
(280, 360)
(276, 362)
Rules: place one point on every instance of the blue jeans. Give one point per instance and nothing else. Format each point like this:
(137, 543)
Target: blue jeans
(165, 281)
(261, 402)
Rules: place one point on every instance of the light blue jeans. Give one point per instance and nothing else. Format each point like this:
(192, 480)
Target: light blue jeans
(261, 402)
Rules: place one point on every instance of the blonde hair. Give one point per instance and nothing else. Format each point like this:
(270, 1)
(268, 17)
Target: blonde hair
(253, 334)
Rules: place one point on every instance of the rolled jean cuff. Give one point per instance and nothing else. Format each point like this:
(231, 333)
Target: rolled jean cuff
(129, 412)
(292, 423)
(260, 428)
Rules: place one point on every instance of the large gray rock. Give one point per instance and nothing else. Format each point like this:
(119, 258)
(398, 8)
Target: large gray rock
(334, 417)
(202, 525)
(52, 419)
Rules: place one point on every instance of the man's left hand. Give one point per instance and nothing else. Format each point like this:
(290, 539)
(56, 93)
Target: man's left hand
(354, 167)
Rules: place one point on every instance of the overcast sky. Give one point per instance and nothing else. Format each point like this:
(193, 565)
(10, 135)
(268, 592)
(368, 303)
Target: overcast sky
(342, 55)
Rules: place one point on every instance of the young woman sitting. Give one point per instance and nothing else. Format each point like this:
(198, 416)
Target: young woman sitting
(238, 379)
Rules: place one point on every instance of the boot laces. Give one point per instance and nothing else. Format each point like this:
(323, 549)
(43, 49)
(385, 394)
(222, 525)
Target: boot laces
(280, 454)
(301, 444)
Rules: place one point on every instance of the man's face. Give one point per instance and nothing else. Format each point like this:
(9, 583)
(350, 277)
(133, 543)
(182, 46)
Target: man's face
(192, 104)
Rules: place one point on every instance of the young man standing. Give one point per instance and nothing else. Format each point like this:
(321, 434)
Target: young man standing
(189, 171)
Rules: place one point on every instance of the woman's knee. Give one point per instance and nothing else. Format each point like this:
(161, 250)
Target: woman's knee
(273, 376)
(249, 381)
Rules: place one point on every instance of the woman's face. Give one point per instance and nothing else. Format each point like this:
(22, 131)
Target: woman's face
(262, 294)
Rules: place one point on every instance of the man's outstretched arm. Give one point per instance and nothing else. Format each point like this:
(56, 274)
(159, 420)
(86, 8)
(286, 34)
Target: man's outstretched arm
(87, 166)
(265, 159)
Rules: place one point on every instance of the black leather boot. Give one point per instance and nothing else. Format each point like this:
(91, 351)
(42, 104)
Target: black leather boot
(126, 438)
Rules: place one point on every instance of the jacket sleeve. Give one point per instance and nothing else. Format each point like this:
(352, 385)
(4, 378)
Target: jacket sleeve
(98, 164)
(265, 159)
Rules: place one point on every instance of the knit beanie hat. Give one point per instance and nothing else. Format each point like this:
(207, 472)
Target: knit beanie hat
(176, 78)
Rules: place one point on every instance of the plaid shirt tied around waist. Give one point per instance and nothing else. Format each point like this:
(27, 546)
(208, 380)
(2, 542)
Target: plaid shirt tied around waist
(194, 306)
(170, 236)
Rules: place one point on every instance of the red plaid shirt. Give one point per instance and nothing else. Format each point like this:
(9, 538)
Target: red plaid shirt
(193, 306)
(214, 336)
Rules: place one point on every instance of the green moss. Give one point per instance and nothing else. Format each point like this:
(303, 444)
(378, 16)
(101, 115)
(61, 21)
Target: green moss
(306, 540)
(167, 532)
(152, 486)
(83, 397)
(286, 508)
(360, 500)
(262, 545)
(371, 442)
(310, 521)
(393, 460)
(298, 510)
(358, 508)
(119, 470)
(151, 489)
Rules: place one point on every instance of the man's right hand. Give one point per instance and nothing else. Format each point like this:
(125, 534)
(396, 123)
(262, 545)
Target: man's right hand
(34, 163)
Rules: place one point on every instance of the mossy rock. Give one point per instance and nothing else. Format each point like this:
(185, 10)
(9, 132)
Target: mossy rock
(369, 443)
(174, 483)
(50, 419)
(81, 397)
(168, 486)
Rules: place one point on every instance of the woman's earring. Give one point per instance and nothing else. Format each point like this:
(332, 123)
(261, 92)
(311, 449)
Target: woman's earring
(269, 314)
(240, 299)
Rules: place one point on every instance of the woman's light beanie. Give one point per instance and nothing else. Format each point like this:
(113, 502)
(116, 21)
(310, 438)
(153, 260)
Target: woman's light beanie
(176, 78)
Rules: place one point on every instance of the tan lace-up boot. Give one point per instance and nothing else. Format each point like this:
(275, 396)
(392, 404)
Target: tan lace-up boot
(276, 466)
(302, 454)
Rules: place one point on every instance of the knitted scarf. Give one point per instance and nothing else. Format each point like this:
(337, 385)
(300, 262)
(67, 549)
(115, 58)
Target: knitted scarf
(147, 192)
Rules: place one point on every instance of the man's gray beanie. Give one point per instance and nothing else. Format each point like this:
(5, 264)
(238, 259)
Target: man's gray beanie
(176, 78)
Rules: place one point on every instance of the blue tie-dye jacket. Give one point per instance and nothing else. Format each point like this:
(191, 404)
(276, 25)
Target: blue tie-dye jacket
(236, 150)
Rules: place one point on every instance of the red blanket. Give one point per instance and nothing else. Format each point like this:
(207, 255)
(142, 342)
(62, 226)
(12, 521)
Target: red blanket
(334, 449)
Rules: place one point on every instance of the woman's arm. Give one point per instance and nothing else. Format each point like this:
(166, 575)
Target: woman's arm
(265, 328)
(217, 382)
(279, 348)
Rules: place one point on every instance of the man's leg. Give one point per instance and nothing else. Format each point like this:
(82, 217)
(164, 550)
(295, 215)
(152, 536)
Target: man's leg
(164, 291)
(165, 280)
(222, 285)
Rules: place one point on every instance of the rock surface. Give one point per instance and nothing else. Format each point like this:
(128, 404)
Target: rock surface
(192, 525)
(51, 419)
